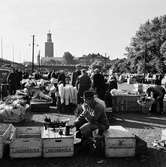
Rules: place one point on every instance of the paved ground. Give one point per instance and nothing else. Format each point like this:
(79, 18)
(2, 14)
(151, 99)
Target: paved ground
(145, 127)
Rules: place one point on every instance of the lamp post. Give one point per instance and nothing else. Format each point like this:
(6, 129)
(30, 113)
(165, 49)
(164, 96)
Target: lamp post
(33, 46)
(145, 53)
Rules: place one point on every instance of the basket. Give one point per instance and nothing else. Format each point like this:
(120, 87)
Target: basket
(146, 103)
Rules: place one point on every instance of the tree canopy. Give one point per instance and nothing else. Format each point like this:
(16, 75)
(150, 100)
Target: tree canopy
(68, 58)
(147, 50)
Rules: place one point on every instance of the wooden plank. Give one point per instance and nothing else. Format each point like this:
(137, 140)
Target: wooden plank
(118, 132)
(163, 134)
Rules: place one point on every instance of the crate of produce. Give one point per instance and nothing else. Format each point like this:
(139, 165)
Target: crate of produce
(119, 142)
(56, 144)
(5, 136)
(26, 142)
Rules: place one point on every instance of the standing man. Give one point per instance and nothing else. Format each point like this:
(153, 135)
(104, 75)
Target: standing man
(98, 83)
(83, 83)
(12, 82)
(75, 75)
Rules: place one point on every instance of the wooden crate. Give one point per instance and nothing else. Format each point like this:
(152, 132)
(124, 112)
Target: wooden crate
(131, 103)
(119, 142)
(55, 145)
(39, 106)
(118, 103)
(164, 105)
(163, 134)
(5, 134)
(26, 142)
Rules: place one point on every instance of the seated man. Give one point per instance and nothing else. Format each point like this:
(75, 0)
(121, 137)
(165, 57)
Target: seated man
(93, 117)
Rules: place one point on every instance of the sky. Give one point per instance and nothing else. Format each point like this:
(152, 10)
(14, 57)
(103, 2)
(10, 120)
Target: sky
(78, 26)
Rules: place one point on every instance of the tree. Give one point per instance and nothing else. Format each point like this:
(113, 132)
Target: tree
(68, 58)
(149, 45)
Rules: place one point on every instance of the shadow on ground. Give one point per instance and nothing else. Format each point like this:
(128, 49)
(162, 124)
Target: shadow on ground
(140, 121)
(152, 158)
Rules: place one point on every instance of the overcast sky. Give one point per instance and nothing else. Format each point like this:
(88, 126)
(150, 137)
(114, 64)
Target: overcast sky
(77, 26)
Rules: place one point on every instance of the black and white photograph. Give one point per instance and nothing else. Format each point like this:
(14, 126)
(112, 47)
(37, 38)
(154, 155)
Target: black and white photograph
(83, 83)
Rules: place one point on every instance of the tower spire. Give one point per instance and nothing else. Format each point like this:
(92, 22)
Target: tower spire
(49, 39)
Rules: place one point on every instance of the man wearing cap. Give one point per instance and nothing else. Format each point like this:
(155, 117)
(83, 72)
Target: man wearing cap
(93, 117)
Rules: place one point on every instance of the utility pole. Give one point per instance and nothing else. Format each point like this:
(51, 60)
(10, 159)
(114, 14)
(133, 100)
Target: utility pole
(105, 60)
(33, 39)
(38, 59)
(13, 54)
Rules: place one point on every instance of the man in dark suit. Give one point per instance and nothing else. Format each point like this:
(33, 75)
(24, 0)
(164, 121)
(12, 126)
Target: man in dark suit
(75, 75)
(98, 84)
(83, 83)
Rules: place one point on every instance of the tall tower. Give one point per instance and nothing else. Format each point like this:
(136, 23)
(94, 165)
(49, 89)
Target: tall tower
(49, 46)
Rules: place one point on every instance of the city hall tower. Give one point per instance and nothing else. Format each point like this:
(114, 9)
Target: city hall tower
(49, 46)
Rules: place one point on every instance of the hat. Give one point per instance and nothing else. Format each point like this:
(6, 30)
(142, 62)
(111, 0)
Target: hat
(88, 94)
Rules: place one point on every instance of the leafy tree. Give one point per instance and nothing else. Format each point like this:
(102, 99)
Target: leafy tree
(148, 47)
(68, 58)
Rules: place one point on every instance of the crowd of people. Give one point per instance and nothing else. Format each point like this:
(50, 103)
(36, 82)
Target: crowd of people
(86, 91)
(89, 89)
(82, 79)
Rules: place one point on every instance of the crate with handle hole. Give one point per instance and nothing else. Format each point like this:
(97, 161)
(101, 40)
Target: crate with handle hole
(56, 144)
(5, 136)
(26, 142)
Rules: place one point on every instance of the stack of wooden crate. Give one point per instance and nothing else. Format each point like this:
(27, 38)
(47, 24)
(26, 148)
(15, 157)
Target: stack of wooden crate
(5, 136)
(26, 142)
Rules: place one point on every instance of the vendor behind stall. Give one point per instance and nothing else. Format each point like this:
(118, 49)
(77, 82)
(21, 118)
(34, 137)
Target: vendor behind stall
(93, 117)
(157, 92)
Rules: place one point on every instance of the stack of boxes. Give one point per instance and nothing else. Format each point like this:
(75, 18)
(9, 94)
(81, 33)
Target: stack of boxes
(5, 136)
(26, 142)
